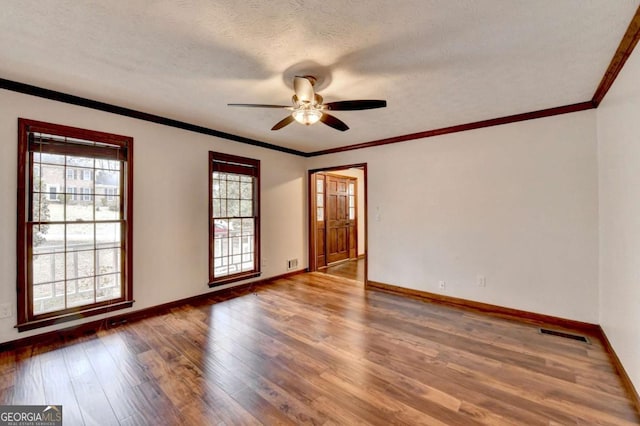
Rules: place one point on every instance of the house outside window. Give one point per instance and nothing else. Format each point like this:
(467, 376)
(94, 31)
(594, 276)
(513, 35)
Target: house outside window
(74, 257)
(53, 193)
(234, 218)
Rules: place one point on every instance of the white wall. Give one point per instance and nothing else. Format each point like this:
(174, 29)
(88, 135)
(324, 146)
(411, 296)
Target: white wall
(619, 165)
(170, 254)
(516, 203)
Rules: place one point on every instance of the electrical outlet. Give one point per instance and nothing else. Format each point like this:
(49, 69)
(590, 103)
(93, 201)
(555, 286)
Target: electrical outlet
(482, 281)
(442, 285)
(5, 310)
(264, 262)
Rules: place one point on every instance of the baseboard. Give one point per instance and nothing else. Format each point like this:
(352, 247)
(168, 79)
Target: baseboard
(493, 310)
(116, 320)
(626, 380)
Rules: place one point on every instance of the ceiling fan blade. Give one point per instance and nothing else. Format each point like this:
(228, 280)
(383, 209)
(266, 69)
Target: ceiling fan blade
(331, 121)
(284, 122)
(304, 89)
(259, 105)
(355, 105)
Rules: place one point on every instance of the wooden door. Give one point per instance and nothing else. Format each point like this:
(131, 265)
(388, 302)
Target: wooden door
(352, 208)
(339, 228)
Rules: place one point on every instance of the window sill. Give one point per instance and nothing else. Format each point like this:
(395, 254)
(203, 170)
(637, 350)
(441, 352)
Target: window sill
(31, 325)
(234, 278)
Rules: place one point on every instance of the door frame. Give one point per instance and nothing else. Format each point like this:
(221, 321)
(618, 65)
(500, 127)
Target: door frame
(311, 214)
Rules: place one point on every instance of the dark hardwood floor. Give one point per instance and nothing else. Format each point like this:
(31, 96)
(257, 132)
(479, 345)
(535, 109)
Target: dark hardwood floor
(317, 349)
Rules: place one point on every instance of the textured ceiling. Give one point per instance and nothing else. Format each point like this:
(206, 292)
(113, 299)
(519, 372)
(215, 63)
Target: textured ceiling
(437, 63)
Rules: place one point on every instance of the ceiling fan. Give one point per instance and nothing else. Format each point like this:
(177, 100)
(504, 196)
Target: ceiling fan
(308, 107)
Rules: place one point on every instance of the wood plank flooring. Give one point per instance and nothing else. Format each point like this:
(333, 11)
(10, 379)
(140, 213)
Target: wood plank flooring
(352, 269)
(317, 349)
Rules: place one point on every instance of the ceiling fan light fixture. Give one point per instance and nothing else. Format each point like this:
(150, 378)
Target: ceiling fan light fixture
(307, 116)
(308, 107)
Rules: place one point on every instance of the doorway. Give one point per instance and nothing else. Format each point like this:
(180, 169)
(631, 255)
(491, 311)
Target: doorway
(338, 221)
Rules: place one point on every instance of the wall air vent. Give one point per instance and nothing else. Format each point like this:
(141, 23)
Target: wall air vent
(565, 335)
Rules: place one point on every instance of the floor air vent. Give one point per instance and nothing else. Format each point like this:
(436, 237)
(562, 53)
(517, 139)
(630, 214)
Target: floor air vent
(565, 335)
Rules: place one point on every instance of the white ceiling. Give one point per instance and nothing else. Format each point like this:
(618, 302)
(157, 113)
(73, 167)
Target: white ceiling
(437, 62)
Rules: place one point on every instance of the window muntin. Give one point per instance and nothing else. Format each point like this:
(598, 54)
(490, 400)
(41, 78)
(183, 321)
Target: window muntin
(234, 218)
(75, 257)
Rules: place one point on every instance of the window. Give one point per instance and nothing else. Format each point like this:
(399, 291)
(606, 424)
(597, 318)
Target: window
(234, 218)
(352, 200)
(75, 256)
(110, 193)
(320, 199)
(86, 174)
(53, 193)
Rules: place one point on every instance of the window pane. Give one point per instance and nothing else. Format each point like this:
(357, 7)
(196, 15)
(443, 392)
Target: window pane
(246, 190)
(216, 188)
(108, 287)
(80, 264)
(246, 208)
(221, 228)
(48, 158)
(48, 239)
(236, 246)
(52, 175)
(107, 235)
(48, 298)
(320, 216)
(40, 207)
(107, 165)
(80, 292)
(39, 185)
(233, 208)
(79, 161)
(235, 227)
(107, 179)
(79, 209)
(48, 268)
(319, 186)
(247, 227)
(320, 200)
(108, 209)
(224, 248)
(80, 236)
(233, 189)
(108, 261)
